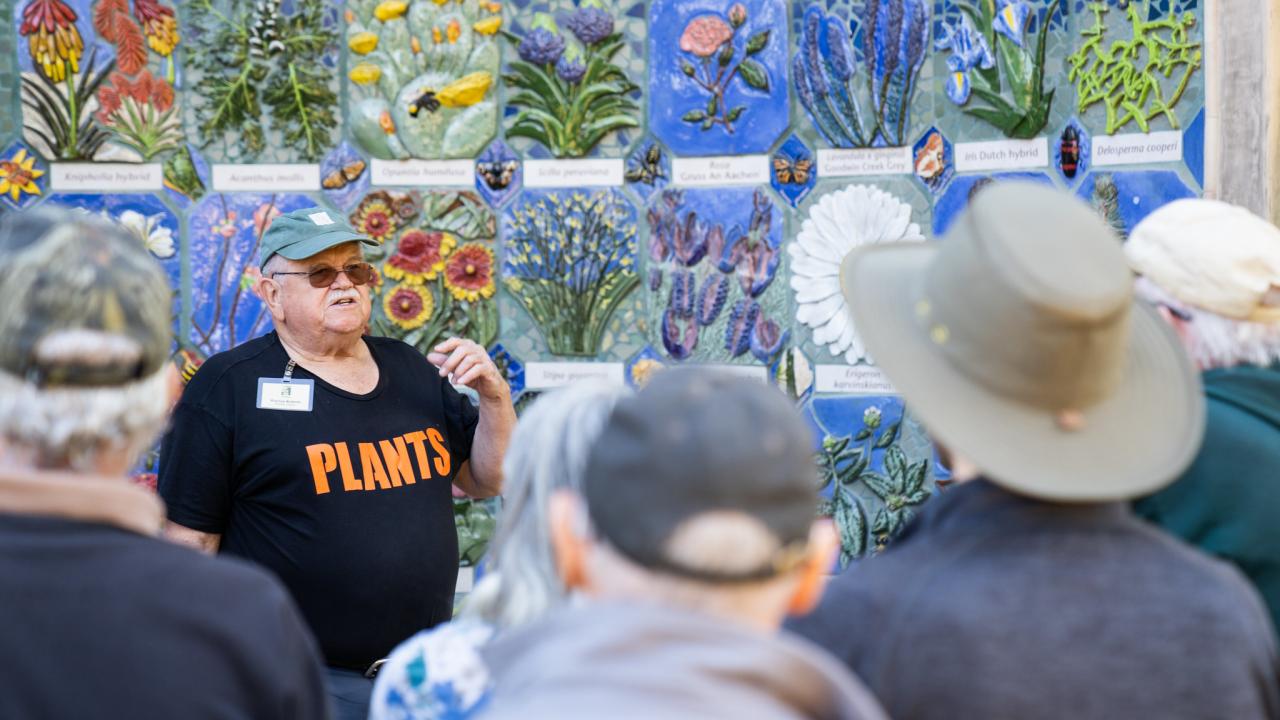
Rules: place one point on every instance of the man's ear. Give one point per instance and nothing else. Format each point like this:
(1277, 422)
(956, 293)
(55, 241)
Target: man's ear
(565, 514)
(824, 543)
(268, 290)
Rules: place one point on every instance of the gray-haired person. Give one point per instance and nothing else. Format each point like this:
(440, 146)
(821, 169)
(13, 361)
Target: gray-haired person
(1212, 270)
(1029, 589)
(102, 617)
(693, 536)
(439, 673)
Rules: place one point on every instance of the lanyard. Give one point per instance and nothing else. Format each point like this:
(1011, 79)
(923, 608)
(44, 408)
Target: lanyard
(288, 370)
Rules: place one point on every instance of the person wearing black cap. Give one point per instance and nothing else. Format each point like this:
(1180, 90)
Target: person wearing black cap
(328, 456)
(694, 537)
(103, 618)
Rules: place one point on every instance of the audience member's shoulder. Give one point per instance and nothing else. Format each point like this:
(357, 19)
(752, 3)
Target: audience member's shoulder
(200, 581)
(1215, 579)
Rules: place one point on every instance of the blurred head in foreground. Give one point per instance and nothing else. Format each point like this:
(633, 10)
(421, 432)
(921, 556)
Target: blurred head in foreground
(1213, 271)
(701, 493)
(1018, 341)
(548, 453)
(84, 343)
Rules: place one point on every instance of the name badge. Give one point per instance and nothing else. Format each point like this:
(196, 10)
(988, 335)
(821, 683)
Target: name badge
(276, 394)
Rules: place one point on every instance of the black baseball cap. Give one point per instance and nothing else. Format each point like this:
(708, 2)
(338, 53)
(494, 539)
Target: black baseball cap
(696, 441)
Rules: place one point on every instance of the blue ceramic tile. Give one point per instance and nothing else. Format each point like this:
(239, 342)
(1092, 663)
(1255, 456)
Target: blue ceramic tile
(1124, 198)
(701, 110)
(648, 168)
(1193, 148)
(512, 369)
(856, 73)
(1073, 152)
(934, 160)
(24, 177)
(186, 176)
(225, 231)
(344, 176)
(147, 219)
(498, 173)
(961, 191)
(875, 468)
(642, 366)
(794, 170)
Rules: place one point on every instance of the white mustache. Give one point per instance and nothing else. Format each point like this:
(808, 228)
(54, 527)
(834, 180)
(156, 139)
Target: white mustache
(340, 295)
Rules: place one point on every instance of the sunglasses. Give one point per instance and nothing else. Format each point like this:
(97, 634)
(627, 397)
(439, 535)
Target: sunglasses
(357, 273)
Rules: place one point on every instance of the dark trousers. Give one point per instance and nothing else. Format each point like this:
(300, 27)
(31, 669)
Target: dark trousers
(349, 693)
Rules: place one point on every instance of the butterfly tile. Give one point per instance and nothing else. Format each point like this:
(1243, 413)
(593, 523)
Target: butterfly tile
(794, 170)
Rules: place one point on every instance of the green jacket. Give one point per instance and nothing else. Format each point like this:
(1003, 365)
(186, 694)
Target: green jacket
(1228, 502)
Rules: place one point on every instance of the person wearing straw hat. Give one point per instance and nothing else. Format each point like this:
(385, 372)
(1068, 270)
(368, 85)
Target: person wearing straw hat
(1029, 589)
(1213, 272)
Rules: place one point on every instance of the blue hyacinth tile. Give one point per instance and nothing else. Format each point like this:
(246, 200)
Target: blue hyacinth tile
(642, 366)
(1125, 198)
(24, 177)
(1072, 152)
(344, 176)
(962, 191)
(498, 173)
(1193, 148)
(510, 367)
(704, 110)
(934, 160)
(794, 171)
(648, 168)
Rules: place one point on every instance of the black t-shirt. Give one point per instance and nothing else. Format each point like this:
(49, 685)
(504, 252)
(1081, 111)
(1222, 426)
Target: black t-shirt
(102, 623)
(350, 503)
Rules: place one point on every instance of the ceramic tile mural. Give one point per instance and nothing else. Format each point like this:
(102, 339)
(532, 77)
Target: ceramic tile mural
(574, 76)
(436, 270)
(714, 260)
(421, 77)
(530, 166)
(99, 79)
(721, 70)
(262, 81)
(224, 233)
(876, 468)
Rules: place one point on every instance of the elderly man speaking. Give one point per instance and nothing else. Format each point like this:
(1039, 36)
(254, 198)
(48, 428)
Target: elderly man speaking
(327, 456)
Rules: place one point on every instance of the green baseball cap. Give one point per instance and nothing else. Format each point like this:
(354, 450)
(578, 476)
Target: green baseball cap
(302, 233)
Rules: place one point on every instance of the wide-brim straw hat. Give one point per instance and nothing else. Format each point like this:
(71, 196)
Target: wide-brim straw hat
(1019, 344)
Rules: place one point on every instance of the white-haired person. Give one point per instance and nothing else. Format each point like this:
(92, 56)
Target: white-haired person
(439, 673)
(103, 618)
(1213, 271)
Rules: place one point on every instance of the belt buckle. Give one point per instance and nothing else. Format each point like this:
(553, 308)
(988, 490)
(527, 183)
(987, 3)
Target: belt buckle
(372, 672)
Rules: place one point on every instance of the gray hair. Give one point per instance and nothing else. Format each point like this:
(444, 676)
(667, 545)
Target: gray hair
(548, 452)
(1214, 341)
(69, 427)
